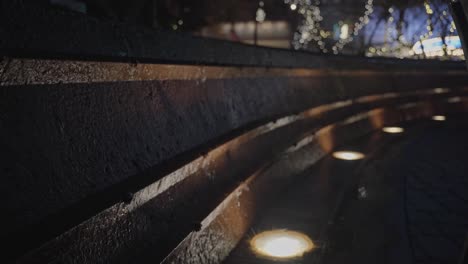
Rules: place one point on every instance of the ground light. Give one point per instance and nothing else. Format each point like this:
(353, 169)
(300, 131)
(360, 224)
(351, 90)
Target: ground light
(282, 244)
(348, 155)
(393, 130)
(439, 118)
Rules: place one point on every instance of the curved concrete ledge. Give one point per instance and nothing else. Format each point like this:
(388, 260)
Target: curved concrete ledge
(112, 137)
(231, 220)
(196, 193)
(76, 142)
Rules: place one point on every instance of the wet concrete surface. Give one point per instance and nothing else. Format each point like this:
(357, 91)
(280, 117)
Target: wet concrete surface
(407, 202)
(416, 204)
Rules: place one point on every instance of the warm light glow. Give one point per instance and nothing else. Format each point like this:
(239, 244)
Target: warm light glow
(348, 155)
(439, 118)
(281, 244)
(393, 130)
(293, 6)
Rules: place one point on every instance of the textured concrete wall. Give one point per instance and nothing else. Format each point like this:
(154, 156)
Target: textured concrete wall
(73, 147)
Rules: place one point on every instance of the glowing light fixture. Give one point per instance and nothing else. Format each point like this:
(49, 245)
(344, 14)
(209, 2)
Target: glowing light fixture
(344, 34)
(293, 6)
(439, 118)
(348, 155)
(393, 130)
(260, 15)
(281, 244)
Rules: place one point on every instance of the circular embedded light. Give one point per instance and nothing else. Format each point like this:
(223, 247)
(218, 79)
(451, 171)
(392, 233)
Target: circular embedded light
(348, 155)
(439, 118)
(393, 130)
(281, 244)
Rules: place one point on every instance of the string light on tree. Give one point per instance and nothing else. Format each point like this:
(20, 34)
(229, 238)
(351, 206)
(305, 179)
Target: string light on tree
(361, 23)
(429, 24)
(394, 37)
(452, 23)
(388, 31)
(452, 27)
(439, 21)
(310, 28)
